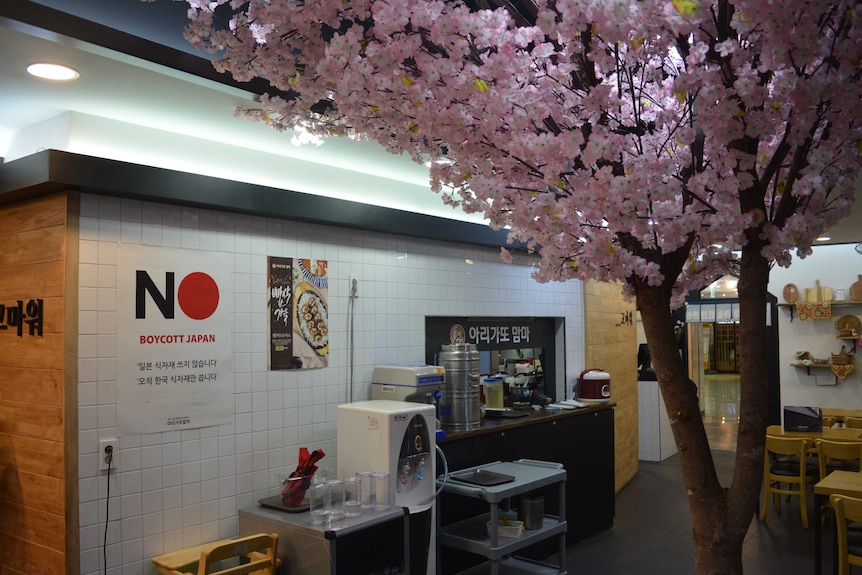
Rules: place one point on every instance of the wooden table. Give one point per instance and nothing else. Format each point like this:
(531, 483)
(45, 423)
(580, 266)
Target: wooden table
(840, 482)
(837, 434)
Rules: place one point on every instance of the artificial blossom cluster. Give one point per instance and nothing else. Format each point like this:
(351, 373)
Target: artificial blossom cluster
(605, 134)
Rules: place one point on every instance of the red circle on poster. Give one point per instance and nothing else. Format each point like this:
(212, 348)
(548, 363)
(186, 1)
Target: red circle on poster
(198, 295)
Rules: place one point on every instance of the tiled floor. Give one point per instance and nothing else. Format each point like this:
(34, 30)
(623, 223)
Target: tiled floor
(652, 531)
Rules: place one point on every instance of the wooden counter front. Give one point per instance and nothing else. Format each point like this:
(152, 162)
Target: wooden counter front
(581, 439)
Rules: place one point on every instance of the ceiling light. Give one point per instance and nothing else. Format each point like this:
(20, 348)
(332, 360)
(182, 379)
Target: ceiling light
(823, 239)
(52, 71)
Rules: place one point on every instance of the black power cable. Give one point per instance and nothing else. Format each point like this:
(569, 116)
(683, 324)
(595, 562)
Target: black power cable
(109, 457)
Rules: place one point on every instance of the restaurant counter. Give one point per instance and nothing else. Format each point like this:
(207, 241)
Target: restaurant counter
(581, 439)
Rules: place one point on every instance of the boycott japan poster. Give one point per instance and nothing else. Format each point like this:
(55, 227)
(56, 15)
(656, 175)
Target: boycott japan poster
(174, 339)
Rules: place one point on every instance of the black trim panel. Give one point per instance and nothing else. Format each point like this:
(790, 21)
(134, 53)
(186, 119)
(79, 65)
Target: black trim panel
(52, 170)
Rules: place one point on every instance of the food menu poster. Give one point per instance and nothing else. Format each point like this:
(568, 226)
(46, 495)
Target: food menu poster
(298, 313)
(174, 339)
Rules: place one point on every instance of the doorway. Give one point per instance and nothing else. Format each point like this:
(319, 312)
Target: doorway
(713, 344)
(719, 392)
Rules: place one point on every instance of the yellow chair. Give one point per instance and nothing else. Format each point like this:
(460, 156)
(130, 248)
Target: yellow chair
(832, 455)
(854, 422)
(786, 461)
(829, 421)
(849, 543)
(258, 550)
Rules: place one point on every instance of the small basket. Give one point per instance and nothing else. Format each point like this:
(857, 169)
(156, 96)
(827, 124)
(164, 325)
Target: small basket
(840, 359)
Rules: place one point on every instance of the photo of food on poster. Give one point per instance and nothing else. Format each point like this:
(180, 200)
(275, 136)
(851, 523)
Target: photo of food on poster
(298, 313)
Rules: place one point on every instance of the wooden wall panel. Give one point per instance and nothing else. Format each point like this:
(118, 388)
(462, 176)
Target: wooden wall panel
(33, 216)
(33, 246)
(38, 398)
(46, 352)
(610, 339)
(42, 386)
(28, 558)
(45, 278)
(33, 455)
(33, 420)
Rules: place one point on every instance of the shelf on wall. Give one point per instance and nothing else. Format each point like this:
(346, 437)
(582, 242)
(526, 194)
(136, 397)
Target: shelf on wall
(792, 306)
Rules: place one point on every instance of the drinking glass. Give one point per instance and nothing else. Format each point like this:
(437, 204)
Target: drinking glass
(380, 491)
(319, 503)
(352, 497)
(365, 494)
(336, 499)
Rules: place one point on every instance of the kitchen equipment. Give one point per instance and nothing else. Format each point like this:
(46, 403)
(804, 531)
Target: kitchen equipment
(337, 547)
(407, 382)
(459, 405)
(396, 439)
(531, 510)
(593, 386)
(856, 290)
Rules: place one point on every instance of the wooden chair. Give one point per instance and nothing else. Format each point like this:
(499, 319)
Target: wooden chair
(854, 422)
(849, 542)
(785, 461)
(832, 455)
(258, 550)
(829, 421)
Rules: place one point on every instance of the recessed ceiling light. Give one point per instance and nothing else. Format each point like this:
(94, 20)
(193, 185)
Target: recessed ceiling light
(52, 71)
(823, 239)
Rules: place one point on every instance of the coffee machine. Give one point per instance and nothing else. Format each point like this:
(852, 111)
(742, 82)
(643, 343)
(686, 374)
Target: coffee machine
(398, 438)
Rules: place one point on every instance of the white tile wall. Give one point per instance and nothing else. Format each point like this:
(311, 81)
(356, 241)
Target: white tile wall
(655, 438)
(177, 489)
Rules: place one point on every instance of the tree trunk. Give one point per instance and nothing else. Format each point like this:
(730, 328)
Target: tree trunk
(720, 516)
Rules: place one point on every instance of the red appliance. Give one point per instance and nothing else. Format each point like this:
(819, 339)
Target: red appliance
(594, 386)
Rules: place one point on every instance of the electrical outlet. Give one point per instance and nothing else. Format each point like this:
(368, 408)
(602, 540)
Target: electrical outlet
(106, 446)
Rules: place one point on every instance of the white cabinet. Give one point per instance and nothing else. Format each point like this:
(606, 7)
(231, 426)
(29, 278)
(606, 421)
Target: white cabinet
(472, 535)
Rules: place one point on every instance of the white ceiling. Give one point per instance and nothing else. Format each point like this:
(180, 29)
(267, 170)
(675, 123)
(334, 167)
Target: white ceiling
(154, 115)
(135, 98)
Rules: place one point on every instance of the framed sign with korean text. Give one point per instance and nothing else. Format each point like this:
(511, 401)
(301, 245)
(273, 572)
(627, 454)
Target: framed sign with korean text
(174, 339)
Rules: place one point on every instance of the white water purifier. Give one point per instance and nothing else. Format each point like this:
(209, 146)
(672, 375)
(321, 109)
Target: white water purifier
(398, 438)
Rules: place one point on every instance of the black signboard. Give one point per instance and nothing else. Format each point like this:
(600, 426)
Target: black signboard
(497, 334)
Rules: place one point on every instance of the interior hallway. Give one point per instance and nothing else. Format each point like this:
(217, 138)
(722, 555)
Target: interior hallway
(719, 402)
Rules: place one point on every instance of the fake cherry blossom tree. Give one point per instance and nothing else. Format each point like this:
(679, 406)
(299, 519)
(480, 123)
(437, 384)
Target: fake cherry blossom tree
(661, 143)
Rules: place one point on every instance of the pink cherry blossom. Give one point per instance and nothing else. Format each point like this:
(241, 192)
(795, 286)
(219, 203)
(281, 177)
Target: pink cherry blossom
(648, 142)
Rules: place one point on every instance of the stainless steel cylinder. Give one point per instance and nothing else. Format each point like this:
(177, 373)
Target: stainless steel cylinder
(459, 404)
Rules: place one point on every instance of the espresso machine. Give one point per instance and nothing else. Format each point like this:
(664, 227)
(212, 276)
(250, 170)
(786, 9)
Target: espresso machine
(398, 438)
